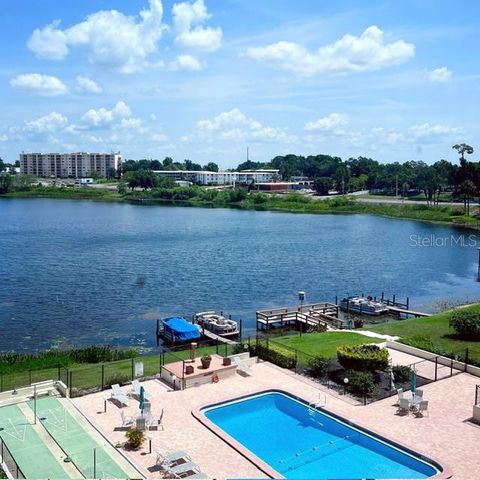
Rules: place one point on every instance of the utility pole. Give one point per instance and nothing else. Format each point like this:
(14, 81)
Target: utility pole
(396, 186)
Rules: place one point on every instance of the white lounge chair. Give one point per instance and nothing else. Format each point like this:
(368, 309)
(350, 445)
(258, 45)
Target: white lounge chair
(404, 406)
(136, 390)
(182, 470)
(242, 366)
(419, 393)
(126, 421)
(172, 459)
(119, 396)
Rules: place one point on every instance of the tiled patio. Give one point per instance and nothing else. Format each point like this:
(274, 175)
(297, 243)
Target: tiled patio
(445, 435)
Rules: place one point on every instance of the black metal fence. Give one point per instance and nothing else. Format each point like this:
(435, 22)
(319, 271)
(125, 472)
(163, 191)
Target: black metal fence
(329, 373)
(9, 461)
(477, 395)
(95, 377)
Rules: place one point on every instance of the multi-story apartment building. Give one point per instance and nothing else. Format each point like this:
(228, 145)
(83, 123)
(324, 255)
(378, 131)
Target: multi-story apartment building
(220, 178)
(65, 165)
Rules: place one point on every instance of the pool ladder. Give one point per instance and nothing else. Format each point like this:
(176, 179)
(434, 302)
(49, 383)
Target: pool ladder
(315, 405)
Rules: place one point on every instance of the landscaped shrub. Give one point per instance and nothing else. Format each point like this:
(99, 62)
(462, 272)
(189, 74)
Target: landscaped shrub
(368, 357)
(466, 324)
(401, 373)
(135, 438)
(362, 383)
(318, 366)
(281, 359)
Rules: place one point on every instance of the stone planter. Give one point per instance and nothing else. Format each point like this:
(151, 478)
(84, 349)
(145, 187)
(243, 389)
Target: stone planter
(227, 361)
(188, 370)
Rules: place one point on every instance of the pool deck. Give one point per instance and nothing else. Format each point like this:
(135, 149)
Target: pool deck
(445, 435)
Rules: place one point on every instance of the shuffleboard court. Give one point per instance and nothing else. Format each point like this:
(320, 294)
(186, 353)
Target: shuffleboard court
(76, 442)
(28, 449)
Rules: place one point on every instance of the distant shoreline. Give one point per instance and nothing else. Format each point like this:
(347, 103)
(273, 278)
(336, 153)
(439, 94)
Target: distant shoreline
(291, 203)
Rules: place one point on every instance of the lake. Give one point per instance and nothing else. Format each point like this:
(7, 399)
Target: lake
(78, 272)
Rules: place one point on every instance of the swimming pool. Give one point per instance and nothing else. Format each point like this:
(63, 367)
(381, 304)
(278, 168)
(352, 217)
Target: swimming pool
(300, 442)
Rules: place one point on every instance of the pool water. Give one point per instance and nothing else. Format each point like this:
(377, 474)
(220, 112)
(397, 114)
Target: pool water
(300, 442)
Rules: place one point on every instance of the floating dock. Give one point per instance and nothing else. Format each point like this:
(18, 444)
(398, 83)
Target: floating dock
(319, 316)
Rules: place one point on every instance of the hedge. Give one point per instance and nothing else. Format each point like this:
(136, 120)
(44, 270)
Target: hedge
(368, 357)
(466, 324)
(278, 358)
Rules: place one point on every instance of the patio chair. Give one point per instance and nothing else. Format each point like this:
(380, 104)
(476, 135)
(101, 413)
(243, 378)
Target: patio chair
(182, 470)
(156, 422)
(119, 396)
(399, 394)
(404, 406)
(136, 390)
(419, 393)
(242, 366)
(422, 408)
(172, 459)
(126, 421)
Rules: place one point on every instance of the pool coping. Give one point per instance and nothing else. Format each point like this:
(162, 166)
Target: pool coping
(264, 467)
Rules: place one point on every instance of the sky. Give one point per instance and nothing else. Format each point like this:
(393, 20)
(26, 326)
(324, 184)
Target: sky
(205, 79)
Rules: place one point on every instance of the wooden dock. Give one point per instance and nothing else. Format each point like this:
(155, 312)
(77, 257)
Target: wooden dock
(403, 311)
(317, 316)
(218, 338)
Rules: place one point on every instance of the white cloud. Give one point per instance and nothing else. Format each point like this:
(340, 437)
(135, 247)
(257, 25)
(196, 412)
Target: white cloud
(110, 38)
(439, 75)
(186, 62)
(236, 126)
(85, 84)
(3, 137)
(103, 117)
(38, 84)
(349, 54)
(54, 122)
(188, 19)
(330, 123)
(425, 131)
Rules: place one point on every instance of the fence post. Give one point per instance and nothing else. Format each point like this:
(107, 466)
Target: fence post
(436, 368)
(133, 370)
(1, 384)
(58, 372)
(466, 358)
(103, 376)
(226, 350)
(29, 377)
(451, 366)
(216, 346)
(70, 383)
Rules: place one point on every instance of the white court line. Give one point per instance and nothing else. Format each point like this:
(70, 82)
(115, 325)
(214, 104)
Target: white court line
(19, 433)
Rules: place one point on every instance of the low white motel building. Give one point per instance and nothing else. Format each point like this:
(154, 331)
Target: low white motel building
(221, 178)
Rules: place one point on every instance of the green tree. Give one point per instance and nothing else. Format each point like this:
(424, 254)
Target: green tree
(122, 188)
(6, 183)
(462, 149)
(111, 173)
(467, 191)
(322, 185)
(211, 167)
(2, 165)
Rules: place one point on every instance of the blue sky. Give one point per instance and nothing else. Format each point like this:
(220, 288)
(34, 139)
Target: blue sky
(204, 79)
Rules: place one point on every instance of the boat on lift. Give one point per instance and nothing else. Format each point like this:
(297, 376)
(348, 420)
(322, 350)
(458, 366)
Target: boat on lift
(216, 323)
(363, 306)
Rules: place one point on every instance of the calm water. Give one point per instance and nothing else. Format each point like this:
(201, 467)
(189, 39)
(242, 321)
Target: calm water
(80, 271)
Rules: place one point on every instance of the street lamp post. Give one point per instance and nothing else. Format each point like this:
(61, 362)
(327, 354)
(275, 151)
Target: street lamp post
(301, 297)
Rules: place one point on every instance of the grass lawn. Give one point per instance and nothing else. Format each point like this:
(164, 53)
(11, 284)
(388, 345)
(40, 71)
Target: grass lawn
(436, 327)
(324, 343)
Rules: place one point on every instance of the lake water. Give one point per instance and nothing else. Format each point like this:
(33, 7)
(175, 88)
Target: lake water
(81, 272)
